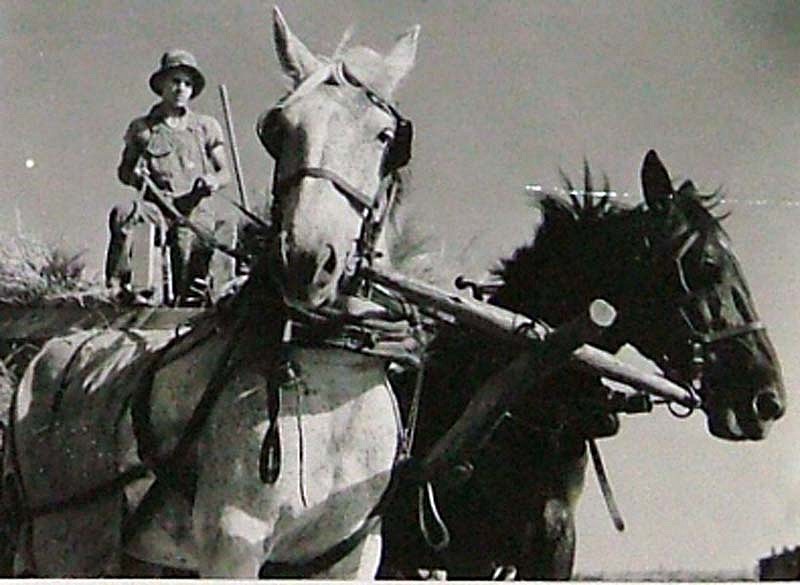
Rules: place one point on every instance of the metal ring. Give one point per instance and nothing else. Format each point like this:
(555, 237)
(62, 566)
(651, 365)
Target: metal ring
(677, 414)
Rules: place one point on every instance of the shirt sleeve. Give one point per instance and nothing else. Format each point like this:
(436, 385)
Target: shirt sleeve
(214, 136)
(137, 134)
(136, 137)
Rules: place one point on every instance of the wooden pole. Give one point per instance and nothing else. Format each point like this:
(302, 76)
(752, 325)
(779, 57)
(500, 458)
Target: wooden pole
(172, 215)
(597, 361)
(502, 389)
(493, 321)
(498, 323)
(237, 168)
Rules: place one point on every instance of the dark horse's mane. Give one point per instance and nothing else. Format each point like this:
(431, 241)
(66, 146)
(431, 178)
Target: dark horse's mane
(580, 249)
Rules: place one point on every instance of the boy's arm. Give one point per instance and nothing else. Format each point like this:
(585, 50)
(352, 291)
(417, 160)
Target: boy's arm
(215, 149)
(134, 145)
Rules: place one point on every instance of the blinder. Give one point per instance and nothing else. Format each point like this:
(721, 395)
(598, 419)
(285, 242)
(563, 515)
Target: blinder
(398, 153)
(269, 132)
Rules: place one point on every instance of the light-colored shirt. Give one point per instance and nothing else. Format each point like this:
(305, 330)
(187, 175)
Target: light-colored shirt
(174, 157)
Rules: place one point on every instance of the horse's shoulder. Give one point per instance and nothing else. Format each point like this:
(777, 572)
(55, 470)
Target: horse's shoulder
(90, 359)
(57, 351)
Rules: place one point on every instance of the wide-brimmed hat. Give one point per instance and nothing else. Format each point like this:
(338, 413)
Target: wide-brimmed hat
(178, 59)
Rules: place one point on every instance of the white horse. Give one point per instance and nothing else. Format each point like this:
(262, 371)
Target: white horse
(248, 445)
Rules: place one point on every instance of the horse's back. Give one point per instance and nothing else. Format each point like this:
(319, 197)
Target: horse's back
(68, 418)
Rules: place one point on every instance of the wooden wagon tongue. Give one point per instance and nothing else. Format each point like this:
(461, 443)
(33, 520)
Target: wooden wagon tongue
(504, 325)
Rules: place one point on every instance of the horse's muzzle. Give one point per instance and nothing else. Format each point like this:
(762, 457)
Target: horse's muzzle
(305, 278)
(746, 421)
(768, 406)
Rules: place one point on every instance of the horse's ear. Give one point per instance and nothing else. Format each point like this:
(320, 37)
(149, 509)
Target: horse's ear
(296, 60)
(687, 187)
(400, 59)
(656, 184)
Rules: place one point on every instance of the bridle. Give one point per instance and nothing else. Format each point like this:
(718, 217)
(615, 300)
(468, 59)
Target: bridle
(374, 209)
(700, 343)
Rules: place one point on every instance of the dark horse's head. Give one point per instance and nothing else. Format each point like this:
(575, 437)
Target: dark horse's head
(683, 301)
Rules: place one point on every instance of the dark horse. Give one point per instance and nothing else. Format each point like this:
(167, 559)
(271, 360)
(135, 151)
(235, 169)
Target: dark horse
(682, 301)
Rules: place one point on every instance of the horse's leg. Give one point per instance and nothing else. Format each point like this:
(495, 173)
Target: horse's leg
(230, 540)
(550, 536)
(231, 560)
(132, 567)
(550, 542)
(8, 539)
(235, 512)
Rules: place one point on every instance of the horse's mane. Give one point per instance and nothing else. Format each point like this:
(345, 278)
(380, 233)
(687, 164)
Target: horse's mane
(699, 207)
(583, 245)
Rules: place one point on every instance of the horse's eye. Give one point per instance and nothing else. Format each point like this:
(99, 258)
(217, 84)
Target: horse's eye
(706, 272)
(386, 136)
(270, 130)
(709, 262)
(712, 268)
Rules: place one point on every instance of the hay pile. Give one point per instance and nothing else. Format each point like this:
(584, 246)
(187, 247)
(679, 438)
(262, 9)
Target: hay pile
(35, 273)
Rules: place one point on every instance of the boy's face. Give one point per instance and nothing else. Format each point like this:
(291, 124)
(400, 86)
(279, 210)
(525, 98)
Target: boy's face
(177, 88)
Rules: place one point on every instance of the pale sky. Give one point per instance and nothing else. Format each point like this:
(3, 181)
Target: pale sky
(502, 95)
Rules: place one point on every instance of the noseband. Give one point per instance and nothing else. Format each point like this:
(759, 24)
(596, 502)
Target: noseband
(374, 208)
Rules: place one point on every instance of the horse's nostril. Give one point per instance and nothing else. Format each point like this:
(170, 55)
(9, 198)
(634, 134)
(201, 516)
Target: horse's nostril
(767, 406)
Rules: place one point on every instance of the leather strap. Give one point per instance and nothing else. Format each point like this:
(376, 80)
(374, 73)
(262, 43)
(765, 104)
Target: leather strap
(605, 486)
(355, 195)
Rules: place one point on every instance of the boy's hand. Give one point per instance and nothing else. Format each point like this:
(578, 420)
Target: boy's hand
(205, 185)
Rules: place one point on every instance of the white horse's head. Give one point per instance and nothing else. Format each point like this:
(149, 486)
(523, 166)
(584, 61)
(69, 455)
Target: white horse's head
(337, 141)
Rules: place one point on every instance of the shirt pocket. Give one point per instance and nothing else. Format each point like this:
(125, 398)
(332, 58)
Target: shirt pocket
(159, 145)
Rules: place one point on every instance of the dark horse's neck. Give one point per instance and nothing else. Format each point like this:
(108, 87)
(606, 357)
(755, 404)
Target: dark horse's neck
(579, 254)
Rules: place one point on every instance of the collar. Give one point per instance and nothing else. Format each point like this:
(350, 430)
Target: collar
(158, 112)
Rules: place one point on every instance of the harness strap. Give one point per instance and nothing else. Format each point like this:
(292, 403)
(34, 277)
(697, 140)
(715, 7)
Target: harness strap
(605, 486)
(165, 467)
(147, 441)
(128, 476)
(66, 379)
(269, 461)
(431, 524)
(716, 336)
(355, 195)
(307, 569)
(413, 413)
